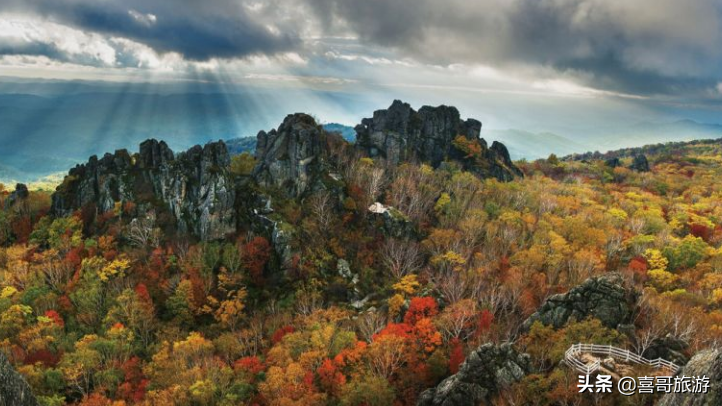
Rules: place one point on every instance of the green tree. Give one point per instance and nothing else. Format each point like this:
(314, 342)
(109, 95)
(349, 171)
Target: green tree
(180, 304)
(368, 389)
(687, 254)
(242, 164)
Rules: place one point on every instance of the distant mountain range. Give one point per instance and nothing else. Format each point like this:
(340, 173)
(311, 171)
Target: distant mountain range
(240, 145)
(652, 133)
(528, 145)
(347, 132)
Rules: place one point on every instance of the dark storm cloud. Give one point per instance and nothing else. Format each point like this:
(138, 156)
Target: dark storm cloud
(640, 46)
(613, 75)
(36, 48)
(198, 30)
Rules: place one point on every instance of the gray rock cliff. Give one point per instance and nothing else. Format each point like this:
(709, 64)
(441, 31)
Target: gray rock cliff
(194, 186)
(486, 371)
(604, 297)
(17, 196)
(295, 158)
(401, 134)
(293, 161)
(290, 156)
(705, 363)
(14, 390)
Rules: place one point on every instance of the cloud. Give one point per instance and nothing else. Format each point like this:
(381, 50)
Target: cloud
(641, 46)
(145, 19)
(55, 42)
(197, 30)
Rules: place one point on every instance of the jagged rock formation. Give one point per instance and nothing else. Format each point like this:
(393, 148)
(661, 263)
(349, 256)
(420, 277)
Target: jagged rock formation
(194, 186)
(293, 157)
(640, 163)
(18, 195)
(706, 363)
(14, 391)
(485, 372)
(604, 298)
(293, 160)
(196, 190)
(401, 134)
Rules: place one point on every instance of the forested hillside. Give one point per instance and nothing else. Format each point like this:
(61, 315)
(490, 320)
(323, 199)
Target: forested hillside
(320, 272)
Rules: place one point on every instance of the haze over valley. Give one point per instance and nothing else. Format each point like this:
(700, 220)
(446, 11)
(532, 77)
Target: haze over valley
(60, 124)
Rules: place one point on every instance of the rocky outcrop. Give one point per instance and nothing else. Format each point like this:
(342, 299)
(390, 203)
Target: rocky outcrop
(605, 298)
(194, 186)
(196, 190)
(496, 162)
(14, 390)
(18, 195)
(293, 162)
(293, 158)
(98, 182)
(669, 348)
(401, 134)
(640, 163)
(486, 371)
(706, 363)
(391, 221)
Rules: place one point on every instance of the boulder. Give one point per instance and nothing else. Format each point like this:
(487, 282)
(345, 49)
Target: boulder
(14, 390)
(669, 348)
(604, 297)
(706, 363)
(392, 222)
(486, 371)
(401, 134)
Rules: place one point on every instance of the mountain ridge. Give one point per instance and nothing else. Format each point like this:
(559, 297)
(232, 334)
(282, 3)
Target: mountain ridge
(195, 191)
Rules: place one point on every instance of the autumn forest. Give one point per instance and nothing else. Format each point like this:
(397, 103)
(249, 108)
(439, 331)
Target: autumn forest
(360, 278)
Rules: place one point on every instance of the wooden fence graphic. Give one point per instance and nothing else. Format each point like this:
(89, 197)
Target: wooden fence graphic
(571, 358)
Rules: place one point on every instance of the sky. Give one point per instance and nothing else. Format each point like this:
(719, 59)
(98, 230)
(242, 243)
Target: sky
(569, 67)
